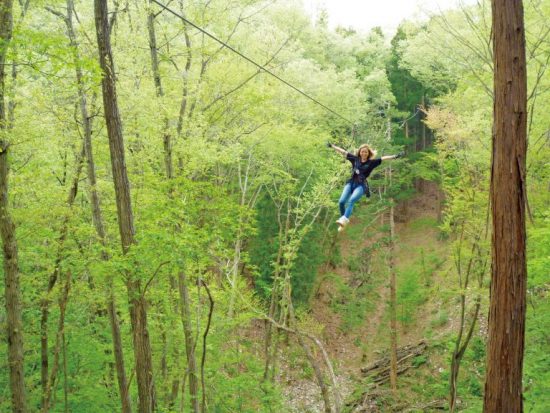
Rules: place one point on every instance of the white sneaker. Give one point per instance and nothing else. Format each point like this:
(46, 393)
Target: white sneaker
(342, 221)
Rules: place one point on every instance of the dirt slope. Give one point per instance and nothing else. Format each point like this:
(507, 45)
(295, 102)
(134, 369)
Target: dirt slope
(353, 347)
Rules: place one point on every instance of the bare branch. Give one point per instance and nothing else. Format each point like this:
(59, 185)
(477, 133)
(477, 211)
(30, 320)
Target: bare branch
(153, 276)
(57, 13)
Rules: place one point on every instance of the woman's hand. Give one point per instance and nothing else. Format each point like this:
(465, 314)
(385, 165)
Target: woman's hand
(388, 157)
(337, 148)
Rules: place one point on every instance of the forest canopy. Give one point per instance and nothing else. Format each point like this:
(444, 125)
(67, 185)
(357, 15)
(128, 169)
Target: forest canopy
(168, 208)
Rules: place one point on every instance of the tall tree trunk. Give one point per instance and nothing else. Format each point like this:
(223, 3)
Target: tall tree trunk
(167, 139)
(169, 170)
(393, 303)
(505, 346)
(96, 211)
(12, 289)
(189, 343)
(137, 302)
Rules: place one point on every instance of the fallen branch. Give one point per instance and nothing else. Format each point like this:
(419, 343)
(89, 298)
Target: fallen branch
(380, 369)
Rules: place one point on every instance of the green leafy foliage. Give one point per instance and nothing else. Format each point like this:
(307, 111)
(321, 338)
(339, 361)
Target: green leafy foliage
(249, 207)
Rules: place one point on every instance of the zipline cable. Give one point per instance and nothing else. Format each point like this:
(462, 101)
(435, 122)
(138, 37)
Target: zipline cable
(410, 117)
(259, 66)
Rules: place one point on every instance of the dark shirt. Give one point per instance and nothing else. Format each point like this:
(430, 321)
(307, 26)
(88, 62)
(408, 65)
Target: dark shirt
(360, 171)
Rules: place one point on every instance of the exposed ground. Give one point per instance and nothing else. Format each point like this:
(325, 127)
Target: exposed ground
(355, 346)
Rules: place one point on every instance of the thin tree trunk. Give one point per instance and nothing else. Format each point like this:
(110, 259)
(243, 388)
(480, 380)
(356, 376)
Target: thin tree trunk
(173, 395)
(96, 211)
(460, 344)
(316, 368)
(269, 335)
(205, 335)
(168, 164)
(118, 351)
(58, 343)
(65, 378)
(153, 50)
(506, 335)
(167, 138)
(318, 373)
(189, 342)
(270, 356)
(186, 73)
(45, 303)
(136, 299)
(457, 356)
(235, 271)
(423, 124)
(393, 304)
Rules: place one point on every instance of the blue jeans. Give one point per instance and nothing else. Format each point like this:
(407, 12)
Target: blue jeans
(350, 197)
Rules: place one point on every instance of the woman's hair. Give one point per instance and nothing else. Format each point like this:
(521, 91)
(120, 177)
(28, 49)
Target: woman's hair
(372, 153)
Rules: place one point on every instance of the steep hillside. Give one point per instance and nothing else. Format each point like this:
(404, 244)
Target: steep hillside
(351, 297)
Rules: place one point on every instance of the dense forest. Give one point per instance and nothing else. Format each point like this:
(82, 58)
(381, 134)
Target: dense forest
(168, 207)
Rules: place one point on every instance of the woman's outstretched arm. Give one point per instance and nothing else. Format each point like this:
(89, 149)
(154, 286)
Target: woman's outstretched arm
(337, 149)
(388, 157)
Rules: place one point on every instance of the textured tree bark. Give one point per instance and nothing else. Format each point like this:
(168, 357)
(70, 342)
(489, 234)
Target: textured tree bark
(12, 289)
(503, 387)
(137, 302)
(189, 343)
(96, 210)
(12, 292)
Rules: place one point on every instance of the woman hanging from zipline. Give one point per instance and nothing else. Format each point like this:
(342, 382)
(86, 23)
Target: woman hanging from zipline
(362, 165)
